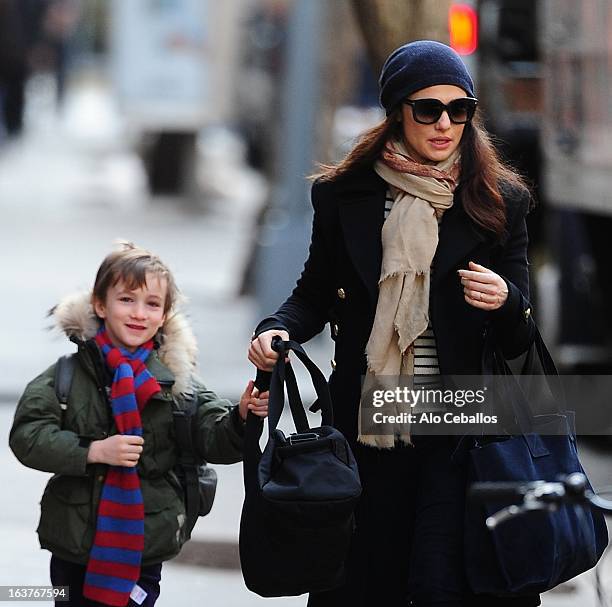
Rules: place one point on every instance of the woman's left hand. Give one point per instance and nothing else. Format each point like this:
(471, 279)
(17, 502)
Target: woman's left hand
(483, 288)
(252, 400)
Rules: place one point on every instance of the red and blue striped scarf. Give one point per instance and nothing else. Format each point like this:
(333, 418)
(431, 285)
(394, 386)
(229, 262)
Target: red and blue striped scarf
(115, 557)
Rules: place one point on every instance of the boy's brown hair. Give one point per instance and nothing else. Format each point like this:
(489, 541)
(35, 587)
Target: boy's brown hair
(131, 264)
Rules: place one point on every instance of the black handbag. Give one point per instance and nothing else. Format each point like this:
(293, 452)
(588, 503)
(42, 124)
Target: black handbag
(532, 553)
(300, 493)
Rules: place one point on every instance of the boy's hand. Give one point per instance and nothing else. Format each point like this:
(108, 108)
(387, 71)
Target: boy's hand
(252, 400)
(117, 450)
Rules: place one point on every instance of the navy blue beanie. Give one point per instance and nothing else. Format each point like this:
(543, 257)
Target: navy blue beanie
(417, 65)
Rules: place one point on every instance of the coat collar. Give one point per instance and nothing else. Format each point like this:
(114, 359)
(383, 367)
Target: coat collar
(361, 201)
(174, 362)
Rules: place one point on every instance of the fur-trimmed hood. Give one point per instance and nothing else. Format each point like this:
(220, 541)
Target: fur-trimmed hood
(178, 349)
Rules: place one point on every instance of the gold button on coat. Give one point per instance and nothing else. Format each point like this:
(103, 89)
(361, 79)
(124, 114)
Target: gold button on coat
(341, 293)
(332, 362)
(335, 330)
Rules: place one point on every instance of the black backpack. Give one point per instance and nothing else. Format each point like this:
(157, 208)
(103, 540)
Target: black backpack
(199, 482)
(300, 493)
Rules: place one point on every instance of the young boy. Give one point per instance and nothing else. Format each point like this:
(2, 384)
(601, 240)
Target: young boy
(114, 509)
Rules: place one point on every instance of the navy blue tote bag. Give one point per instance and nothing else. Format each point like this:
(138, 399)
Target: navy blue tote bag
(532, 553)
(300, 492)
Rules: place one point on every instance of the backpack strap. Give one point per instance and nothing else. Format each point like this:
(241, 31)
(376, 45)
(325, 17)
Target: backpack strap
(188, 461)
(64, 374)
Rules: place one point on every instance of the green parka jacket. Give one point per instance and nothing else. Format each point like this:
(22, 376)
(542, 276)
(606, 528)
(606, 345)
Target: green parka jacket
(45, 438)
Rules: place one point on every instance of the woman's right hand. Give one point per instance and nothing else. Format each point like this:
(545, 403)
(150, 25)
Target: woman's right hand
(117, 450)
(261, 353)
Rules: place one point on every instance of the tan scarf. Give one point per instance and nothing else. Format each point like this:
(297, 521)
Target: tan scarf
(409, 239)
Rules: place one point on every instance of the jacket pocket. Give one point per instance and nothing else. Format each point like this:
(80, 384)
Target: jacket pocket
(164, 520)
(66, 518)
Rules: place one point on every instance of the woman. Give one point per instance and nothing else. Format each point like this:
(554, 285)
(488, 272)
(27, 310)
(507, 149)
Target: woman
(419, 240)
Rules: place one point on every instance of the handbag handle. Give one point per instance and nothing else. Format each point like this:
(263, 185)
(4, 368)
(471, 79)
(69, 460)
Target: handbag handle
(548, 367)
(494, 363)
(263, 380)
(324, 403)
(491, 352)
(282, 375)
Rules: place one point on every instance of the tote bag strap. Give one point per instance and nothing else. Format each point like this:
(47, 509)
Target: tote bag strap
(499, 379)
(516, 396)
(494, 363)
(283, 375)
(275, 381)
(547, 367)
(319, 382)
(276, 402)
(293, 396)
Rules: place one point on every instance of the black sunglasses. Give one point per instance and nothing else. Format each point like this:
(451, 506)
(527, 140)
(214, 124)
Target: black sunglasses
(428, 111)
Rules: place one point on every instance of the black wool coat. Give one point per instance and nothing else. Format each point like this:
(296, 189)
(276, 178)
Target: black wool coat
(339, 285)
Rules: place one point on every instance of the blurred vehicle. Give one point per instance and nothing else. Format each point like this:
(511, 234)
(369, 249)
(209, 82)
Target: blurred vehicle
(576, 138)
(544, 72)
(576, 141)
(172, 65)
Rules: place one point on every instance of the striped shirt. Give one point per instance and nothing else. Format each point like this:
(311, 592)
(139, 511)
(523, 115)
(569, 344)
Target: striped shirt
(426, 365)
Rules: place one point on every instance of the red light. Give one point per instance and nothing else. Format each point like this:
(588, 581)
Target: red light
(463, 28)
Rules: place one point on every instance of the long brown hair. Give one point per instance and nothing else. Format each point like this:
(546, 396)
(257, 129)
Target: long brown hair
(483, 173)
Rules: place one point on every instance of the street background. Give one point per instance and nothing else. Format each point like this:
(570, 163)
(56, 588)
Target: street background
(220, 195)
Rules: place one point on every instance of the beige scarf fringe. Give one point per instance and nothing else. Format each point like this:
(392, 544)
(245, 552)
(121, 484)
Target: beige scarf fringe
(422, 193)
